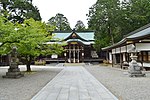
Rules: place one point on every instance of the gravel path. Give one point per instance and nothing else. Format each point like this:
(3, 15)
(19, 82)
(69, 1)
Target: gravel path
(118, 82)
(26, 87)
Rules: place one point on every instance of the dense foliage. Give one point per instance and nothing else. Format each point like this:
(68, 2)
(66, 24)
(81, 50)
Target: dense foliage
(80, 26)
(30, 38)
(61, 22)
(7, 33)
(19, 10)
(112, 19)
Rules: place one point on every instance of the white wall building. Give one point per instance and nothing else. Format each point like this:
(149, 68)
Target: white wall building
(119, 53)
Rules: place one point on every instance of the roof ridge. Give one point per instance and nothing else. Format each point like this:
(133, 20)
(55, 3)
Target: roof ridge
(72, 31)
(138, 30)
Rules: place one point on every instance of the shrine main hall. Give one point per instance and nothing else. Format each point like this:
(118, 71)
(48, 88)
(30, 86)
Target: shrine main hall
(79, 47)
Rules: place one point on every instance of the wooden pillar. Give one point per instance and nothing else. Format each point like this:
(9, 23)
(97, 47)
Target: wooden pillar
(112, 60)
(82, 53)
(107, 55)
(142, 58)
(74, 55)
(126, 59)
(121, 59)
(69, 60)
(78, 54)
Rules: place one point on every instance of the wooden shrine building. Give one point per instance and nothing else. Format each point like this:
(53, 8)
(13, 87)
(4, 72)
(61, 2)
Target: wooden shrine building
(79, 47)
(119, 53)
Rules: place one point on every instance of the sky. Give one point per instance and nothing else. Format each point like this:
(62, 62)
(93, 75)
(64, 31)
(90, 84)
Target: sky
(73, 10)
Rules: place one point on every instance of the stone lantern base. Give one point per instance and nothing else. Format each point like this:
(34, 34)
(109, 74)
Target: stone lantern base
(136, 74)
(135, 69)
(13, 72)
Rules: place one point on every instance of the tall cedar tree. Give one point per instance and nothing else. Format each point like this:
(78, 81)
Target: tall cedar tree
(60, 22)
(112, 19)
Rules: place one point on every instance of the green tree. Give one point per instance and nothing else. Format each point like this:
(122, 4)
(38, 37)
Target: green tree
(103, 19)
(135, 14)
(61, 22)
(34, 35)
(30, 38)
(80, 26)
(112, 19)
(18, 10)
(7, 32)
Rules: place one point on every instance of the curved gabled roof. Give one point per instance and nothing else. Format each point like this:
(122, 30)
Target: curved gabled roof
(85, 35)
(61, 36)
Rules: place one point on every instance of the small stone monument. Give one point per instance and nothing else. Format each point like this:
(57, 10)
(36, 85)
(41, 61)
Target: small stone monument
(134, 68)
(13, 71)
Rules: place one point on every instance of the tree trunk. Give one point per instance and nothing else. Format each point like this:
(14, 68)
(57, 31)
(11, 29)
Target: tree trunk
(28, 63)
(28, 66)
(112, 41)
(111, 34)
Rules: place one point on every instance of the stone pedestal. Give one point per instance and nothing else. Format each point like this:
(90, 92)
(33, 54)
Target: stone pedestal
(13, 71)
(134, 69)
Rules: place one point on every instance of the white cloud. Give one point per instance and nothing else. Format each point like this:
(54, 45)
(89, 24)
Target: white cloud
(74, 10)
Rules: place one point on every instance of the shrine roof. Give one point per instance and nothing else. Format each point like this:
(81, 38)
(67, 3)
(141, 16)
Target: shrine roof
(78, 40)
(86, 35)
(141, 33)
(72, 40)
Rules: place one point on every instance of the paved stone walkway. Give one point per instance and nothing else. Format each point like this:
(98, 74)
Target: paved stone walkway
(74, 83)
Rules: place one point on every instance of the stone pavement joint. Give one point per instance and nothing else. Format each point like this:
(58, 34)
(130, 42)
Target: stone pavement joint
(74, 83)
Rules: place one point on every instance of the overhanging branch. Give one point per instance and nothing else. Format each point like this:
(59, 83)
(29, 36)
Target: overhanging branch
(8, 42)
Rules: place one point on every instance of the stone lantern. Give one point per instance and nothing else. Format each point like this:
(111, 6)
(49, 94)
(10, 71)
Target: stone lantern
(13, 71)
(134, 68)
